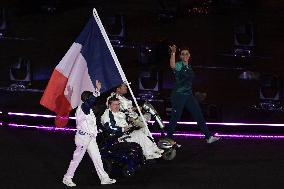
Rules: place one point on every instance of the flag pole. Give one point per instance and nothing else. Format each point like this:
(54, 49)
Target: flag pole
(118, 66)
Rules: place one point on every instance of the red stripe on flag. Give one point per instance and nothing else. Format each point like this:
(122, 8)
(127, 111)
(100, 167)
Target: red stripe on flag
(55, 100)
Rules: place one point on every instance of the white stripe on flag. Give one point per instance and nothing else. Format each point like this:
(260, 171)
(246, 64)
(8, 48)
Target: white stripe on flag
(74, 67)
(67, 62)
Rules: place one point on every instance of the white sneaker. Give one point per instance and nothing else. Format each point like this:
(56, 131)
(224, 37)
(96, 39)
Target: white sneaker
(68, 182)
(108, 181)
(212, 139)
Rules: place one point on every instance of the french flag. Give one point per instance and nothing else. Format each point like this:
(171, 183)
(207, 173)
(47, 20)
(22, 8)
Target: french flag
(90, 58)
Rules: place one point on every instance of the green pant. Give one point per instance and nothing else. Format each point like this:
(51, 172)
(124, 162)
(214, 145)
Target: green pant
(179, 101)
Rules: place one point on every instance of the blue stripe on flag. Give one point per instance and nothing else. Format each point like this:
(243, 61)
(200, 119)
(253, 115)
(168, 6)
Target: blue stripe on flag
(101, 65)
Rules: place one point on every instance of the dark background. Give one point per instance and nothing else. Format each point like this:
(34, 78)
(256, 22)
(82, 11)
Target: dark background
(43, 31)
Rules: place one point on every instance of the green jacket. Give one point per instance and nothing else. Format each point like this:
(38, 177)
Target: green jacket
(184, 76)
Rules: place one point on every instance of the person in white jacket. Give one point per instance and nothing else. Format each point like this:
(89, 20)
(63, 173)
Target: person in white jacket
(85, 139)
(126, 105)
(114, 119)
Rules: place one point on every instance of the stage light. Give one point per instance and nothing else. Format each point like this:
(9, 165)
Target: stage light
(148, 80)
(271, 87)
(270, 94)
(149, 77)
(168, 9)
(244, 41)
(3, 22)
(115, 26)
(20, 73)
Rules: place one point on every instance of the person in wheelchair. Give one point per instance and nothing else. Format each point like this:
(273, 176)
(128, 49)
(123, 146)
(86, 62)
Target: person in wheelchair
(127, 107)
(123, 158)
(115, 120)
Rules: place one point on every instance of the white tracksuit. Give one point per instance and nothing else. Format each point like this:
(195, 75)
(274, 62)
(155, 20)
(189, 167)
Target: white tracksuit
(127, 106)
(85, 140)
(149, 148)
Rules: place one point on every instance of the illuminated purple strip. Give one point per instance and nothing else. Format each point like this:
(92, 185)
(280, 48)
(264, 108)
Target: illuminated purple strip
(34, 115)
(256, 136)
(226, 124)
(166, 122)
(230, 135)
(41, 127)
(1, 123)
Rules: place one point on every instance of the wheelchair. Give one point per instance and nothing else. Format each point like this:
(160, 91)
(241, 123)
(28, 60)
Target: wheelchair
(119, 157)
(168, 145)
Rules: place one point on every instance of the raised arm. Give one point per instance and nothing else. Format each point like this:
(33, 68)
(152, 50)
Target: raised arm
(98, 88)
(98, 85)
(173, 56)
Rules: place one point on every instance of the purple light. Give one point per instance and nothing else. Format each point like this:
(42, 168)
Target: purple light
(34, 115)
(40, 127)
(184, 134)
(256, 136)
(166, 122)
(226, 124)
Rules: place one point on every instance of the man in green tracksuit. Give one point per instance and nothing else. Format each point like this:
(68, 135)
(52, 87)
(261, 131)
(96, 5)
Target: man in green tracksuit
(182, 95)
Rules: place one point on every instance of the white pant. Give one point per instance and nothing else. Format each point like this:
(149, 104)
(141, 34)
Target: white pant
(149, 148)
(86, 143)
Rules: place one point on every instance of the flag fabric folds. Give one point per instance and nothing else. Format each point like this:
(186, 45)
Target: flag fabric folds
(90, 58)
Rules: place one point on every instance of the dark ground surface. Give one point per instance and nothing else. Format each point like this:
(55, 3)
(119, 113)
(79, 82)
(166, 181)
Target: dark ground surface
(39, 159)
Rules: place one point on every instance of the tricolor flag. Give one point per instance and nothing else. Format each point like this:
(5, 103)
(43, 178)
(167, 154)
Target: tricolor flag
(90, 58)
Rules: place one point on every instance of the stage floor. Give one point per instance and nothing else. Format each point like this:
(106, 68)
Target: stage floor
(34, 158)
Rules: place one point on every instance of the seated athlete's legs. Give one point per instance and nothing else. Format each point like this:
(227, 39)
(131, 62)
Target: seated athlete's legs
(149, 148)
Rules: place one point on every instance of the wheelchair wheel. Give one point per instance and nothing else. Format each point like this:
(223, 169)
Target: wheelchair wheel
(107, 165)
(128, 171)
(169, 154)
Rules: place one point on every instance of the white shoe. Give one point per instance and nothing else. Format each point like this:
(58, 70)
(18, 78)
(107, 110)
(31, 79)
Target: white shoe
(108, 181)
(68, 182)
(212, 139)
